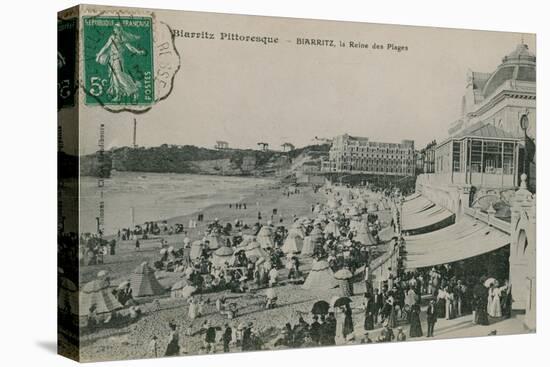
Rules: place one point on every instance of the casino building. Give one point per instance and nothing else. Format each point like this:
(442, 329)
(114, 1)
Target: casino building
(355, 154)
(476, 208)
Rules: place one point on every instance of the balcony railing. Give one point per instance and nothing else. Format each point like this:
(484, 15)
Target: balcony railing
(490, 219)
(471, 178)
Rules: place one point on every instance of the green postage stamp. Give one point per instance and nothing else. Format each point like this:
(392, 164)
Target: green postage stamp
(118, 60)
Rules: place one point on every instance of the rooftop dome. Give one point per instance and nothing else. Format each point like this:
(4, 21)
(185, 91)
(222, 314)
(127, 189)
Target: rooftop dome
(520, 65)
(520, 54)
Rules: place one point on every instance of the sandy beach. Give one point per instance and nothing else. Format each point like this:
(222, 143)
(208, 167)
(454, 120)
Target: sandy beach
(157, 314)
(263, 199)
(131, 341)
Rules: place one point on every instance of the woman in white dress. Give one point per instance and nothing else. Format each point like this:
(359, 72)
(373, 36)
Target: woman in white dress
(449, 304)
(493, 302)
(193, 309)
(273, 275)
(410, 298)
(441, 303)
(192, 313)
(339, 326)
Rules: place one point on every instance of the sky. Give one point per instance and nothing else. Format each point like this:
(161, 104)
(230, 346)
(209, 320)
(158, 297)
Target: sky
(244, 93)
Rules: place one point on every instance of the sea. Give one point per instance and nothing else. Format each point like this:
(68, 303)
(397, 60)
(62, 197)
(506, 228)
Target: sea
(130, 198)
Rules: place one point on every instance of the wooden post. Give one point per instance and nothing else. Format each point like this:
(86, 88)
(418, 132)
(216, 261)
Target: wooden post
(452, 160)
(501, 164)
(470, 160)
(516, 163)
(482, 162)
(465, 142)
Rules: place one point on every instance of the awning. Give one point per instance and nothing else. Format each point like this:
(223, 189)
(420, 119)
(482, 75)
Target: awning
(412, 196)
(416, 205)
(430, 215)
(462, 240)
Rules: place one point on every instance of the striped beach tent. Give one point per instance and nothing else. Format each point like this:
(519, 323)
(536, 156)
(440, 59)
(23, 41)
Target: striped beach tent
(320, 276)
(98, 293)
(215, 241)
(144, 283)
(222, 255)
(265, 237)
(254, 251)
(196, 249)
(293, 243)
(364, 236)
(67, 296)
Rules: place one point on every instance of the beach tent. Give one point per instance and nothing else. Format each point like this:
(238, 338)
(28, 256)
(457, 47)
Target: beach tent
(317, 208)
(144, 283)
(297, 228)
(247, 238)
(67, 296)
(345, 200)
(315, 236)
(177, 289)
(364, 235)
(293, 243)
(222, 255)
(320, 276)
(98, 293)
(332, 204)
(265, 237)
(196, 250)
(308, 247)
(344, 279)
(254, 250)
(332, 227)
(215, 241)
(361, 203)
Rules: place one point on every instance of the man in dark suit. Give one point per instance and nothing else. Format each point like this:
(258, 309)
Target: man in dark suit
(315, 330)
(330, 331)
(431, 313)
(378, 304)
(324, 332)
(247, 338)
(227, 336)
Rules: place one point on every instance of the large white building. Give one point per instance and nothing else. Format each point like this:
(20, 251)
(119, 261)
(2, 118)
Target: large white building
(355, 154)
(484, 178)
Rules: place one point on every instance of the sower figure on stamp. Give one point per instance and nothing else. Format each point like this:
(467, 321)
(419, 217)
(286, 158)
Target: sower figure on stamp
(121, 83)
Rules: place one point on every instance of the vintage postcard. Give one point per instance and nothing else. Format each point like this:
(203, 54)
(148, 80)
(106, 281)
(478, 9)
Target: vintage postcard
(235, 183)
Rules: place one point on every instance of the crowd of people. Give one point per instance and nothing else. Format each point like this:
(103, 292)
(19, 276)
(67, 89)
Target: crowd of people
(243, 258)
(449, 297)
